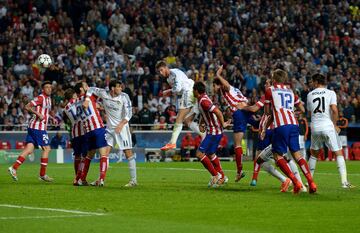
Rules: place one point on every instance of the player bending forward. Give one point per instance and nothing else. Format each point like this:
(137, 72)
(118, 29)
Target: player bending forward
(214, 122)
(286, 129)
(322, 106)
(182, 86)
(36, 132)
(118, 110)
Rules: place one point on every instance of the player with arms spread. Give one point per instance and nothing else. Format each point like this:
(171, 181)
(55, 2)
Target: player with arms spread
(182, 86)
(215, 124)
(37, 135)
(117, 105)
(282, 100)
(322, 107)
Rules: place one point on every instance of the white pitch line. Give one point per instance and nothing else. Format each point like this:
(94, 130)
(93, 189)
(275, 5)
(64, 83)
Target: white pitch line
(42, 217)
(52, 209)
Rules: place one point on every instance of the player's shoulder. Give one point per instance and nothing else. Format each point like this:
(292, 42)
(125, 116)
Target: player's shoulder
(124, 95)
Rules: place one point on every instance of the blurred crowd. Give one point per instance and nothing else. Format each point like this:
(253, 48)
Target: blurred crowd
(100, 40)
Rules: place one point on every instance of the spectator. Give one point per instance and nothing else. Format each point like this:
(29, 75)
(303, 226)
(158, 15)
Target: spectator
(28, 90)
(223, 150)
(58, 141)
(160, 124)
(145, 116)
(187, 147)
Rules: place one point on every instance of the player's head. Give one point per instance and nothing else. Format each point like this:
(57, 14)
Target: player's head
(70, 94)
(115, 87)
(318, 79)
(279, 76)
(81, 87)
(162, 68)
(217, 85)
(199, 89)
(46, 87)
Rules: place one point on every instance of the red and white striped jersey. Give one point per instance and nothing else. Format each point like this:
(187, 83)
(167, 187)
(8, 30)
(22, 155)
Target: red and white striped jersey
(206, 107)
(260, 103)
(42, 103)
(233, 97)
(283, 101)
(91, 117)
(72, 111)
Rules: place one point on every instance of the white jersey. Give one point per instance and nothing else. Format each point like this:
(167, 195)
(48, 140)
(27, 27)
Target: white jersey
(116, 108)
(318, 102)
(179, 81)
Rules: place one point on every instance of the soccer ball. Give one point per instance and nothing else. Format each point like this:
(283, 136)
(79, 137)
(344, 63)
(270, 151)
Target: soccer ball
(44, 60)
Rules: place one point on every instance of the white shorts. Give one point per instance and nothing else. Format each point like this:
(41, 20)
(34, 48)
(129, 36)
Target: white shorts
(266, 154)
(343, 140)
(123, 139)
(301, 142)
(329, 137)
(193, 111)
(187, 100)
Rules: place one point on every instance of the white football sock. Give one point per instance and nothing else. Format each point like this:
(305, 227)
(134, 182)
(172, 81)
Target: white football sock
(312, 164)
(176, 132)
(342, 168)
(346, 152)
(132, 168)
(295, 170)
(272, 171)
(303, 153)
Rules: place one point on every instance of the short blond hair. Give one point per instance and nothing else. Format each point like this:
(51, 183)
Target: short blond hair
(279, 76)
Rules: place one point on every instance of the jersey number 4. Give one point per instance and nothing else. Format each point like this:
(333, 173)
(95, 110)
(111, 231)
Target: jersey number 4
(320, 104)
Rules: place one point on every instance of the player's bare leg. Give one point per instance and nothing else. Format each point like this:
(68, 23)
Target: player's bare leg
(132, 168)
(177, 129)
(44, 162)
(238, 155)
(305, 169)
(29, 148)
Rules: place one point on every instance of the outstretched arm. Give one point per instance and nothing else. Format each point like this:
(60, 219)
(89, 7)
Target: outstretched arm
(223, 81)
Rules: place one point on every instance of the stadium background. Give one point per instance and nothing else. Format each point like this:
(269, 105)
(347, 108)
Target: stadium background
(100, 40)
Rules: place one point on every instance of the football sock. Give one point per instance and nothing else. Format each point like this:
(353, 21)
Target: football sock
(43, 165)
(132, 168)
(238, 158)
(86, 167)
(305, 169)
(346, 153)
(80, 169)
(269, 168)
(295, 170)
(77, 161)
(103, 167)
(20, 160)
(256, 170)
(303, 153)
(176, 132)
(216, 163)
(283, 165)
(342, 168)
(312, 164)
(208, 165)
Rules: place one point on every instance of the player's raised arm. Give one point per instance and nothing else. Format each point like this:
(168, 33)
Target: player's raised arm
(299, 104)
(223, 81)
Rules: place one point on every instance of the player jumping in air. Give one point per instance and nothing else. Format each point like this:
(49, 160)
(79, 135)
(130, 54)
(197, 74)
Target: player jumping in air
(322, 107)
(36, 132)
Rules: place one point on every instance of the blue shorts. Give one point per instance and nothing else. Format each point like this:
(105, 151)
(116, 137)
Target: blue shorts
(262, 144)
(37, 137)
(210, 144)
(79, 145)
(240, 120)
(285, 136)
(96, 139)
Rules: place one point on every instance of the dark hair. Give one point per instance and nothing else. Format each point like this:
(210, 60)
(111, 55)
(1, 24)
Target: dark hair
(69, 93)
(45, 83)
(77, 87)
(113, 83)
(199, 87)
(319, 78)
(217, 81)
(159, 64)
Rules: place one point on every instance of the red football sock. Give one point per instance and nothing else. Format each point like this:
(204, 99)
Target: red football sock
(77, 161)
(216, 163)
(238, 158)
(20, 160)
(283, 165)
(208, 165)
(85, 169)
(305, 169)
(80, 169)
(43, 165)
(256, 170)
(103, 167)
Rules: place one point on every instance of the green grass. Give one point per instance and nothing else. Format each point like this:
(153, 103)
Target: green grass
(177, 200)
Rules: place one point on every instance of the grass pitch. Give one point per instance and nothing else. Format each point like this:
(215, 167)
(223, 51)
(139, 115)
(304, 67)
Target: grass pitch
(173, 197)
